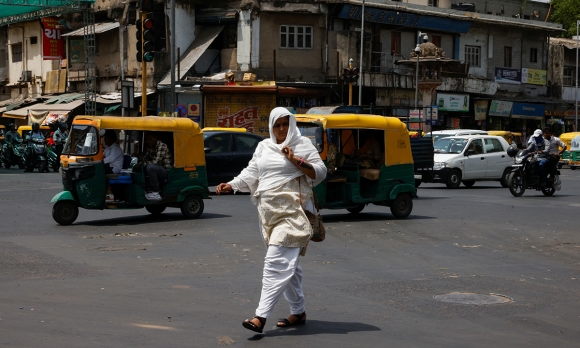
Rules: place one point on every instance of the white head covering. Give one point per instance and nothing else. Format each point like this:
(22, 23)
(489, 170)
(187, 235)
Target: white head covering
(537, 133)
(293, 131)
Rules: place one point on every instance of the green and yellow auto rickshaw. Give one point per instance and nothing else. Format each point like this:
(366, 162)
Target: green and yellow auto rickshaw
(571, 156)
(87, 186)
(385, 177)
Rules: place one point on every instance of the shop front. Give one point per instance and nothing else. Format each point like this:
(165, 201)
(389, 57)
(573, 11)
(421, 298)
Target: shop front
(499, 116)
(527, 117)
(454, 111)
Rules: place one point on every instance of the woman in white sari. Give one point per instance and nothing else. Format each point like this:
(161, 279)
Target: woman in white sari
(280, 178)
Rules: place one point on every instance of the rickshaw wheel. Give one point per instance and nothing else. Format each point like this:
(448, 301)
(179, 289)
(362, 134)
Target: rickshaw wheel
(356, 210)
(402, 206)
(192, 207)
(573, 168)
(156, 209)
(454, 179)
(65, 212)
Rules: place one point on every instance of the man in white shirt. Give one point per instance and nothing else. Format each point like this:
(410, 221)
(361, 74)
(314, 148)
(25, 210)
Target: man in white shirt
(113, 154)
(552, 154)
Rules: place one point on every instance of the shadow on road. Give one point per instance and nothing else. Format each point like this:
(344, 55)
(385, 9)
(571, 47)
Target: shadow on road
(146, 219)
(360, 217)
(317, 327)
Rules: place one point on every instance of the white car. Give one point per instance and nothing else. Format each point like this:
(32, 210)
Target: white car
(471, 158)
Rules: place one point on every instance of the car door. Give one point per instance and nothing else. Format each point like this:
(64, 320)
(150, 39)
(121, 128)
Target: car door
(218, 158)
(475, 164)
(497, 158)
(244, 147)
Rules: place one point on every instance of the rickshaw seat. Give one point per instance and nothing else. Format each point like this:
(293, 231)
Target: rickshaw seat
(118, 179)
(370, 174)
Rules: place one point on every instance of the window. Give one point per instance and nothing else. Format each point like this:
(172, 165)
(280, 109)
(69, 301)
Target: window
(472, 55)
(569, 76)
(292, 36)
(395, 42)
(434, 3)
(436, 40)
(493, 145)
(507, 57)
(83, 140)
(33, 40)
(246, 143)
(533, 55)
(476, 146)
(218, 143)
(16, 52)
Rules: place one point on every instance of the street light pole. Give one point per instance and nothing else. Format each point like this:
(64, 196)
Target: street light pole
(362, 34)
(576, 91)
(417, 53)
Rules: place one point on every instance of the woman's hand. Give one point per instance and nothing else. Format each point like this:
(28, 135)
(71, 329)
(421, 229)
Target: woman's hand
(289, 154)
(223, 187)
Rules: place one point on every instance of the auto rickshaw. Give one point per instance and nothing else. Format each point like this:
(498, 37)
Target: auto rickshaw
(87, 186)
(507, 135)
(24, 130)
(2, 132)
(571, 156)
(351, 184)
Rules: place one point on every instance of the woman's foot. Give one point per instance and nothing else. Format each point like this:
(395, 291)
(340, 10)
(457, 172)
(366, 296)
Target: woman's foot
(293, 320)
(255, 324)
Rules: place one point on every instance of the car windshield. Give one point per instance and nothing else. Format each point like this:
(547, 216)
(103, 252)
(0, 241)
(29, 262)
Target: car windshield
(436, 137)
(312, 132)
(83, 140)
(450, 145)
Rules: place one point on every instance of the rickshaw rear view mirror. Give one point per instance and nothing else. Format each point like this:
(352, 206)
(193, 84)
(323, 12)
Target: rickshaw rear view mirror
(102, 132)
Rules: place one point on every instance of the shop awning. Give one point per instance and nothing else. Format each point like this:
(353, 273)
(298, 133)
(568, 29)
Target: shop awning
(23, 112)
(99, 28)
(194, 51)
(28, 10)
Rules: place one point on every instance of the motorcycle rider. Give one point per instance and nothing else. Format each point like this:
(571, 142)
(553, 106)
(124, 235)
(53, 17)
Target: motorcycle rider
(551, 154)
(536, 143)
(11, 135)
(34, 134)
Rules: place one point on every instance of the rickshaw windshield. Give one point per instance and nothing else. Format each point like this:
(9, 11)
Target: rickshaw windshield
(82, 141)
(450, 145)
(312, 132)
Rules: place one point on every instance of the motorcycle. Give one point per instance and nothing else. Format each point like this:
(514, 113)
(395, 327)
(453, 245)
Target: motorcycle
(53, 159)
(39, 155)
(526, 174)
(13, 155)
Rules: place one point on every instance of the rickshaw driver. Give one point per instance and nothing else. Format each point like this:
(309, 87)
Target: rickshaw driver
(156, 162)
(113, 155)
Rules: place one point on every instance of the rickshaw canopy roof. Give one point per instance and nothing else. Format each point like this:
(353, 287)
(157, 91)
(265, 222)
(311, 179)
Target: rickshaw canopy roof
(567, 137)
(187, 135)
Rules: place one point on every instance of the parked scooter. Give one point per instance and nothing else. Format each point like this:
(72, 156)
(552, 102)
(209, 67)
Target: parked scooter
(13, 155)
(39, 158)
(526, 174)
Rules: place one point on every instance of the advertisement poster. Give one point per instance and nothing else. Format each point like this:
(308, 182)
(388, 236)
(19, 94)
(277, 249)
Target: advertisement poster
(52, 42)
(453, 102)
(76, 50)
(534, 76)
(239, 111)
(500, 108)
(481, 109)
(511, 76)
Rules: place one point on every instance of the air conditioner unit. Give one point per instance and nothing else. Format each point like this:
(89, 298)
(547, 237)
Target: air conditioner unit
(26, 76)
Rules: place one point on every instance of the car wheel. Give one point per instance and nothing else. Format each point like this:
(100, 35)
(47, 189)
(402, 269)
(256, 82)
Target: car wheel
(65, 212)
(356, 210)
(505, 177)
(192, 207)
(402, 206)
(469, 183)
(454, 179)
(517, 184)
(155, 209)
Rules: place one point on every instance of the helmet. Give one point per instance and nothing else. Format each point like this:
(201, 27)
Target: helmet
(512, 151)
(11, 126)
(63, 126)
(35, 127)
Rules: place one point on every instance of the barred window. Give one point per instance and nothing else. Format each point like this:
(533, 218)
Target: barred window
(16, 52)
(294, 36)
(569, 79)
(473, 56)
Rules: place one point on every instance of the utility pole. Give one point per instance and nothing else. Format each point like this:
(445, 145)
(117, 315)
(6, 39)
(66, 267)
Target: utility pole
(350, 61)
(143, 69)
(362, 34)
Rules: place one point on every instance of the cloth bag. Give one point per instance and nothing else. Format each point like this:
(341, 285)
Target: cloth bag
(318, 230)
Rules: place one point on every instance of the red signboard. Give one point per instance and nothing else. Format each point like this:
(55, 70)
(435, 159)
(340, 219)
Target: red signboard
(52, 42)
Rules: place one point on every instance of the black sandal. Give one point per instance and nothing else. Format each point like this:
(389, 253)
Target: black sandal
(300, 320)
(251, 326)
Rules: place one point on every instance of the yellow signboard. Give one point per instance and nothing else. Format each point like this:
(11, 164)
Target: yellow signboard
(534, 76)
(250, 111)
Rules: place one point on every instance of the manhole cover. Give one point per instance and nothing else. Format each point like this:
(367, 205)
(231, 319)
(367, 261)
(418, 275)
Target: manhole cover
(473, 298)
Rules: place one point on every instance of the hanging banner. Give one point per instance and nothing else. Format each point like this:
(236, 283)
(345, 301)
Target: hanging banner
(534, 76)
(481, 109)
(511, 76)
(52, 42)
(453, 102)
(500, 108)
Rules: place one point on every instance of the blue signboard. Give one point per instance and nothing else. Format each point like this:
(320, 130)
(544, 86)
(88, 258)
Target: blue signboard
(511, 76)
(527, 110)
(403, 19)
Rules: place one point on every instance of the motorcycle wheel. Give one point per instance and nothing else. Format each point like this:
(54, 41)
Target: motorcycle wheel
(43, 168)
(517, 184)
(505, 177)
(55, 168)
(21, 165)
(469, 183)
(548, 191)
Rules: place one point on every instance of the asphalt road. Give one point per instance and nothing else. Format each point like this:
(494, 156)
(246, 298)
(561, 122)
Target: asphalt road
(126, 279)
